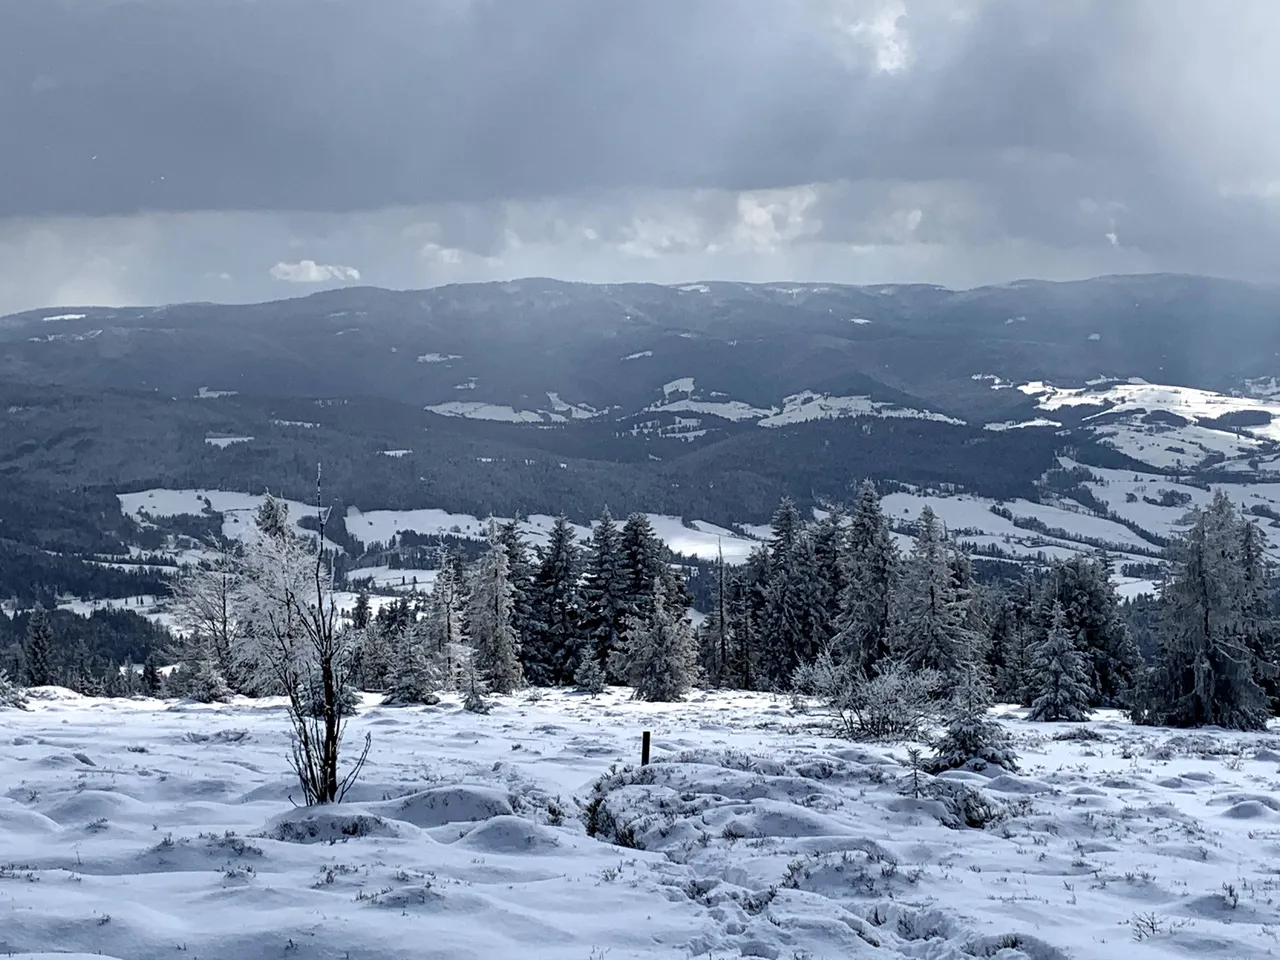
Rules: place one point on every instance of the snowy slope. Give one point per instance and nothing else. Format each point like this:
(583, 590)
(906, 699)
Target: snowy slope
(141, 830)
(1162, 425)
(701, 539)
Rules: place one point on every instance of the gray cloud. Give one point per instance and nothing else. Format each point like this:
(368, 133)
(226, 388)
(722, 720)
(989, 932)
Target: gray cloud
(168, 150)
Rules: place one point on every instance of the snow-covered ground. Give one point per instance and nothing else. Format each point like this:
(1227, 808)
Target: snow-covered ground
(141, 829)
(1125, 420)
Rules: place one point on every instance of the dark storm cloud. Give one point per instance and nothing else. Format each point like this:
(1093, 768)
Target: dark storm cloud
(236, 149)
(338, 105)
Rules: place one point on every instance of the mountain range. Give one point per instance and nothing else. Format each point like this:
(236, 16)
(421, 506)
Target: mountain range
(704, 400)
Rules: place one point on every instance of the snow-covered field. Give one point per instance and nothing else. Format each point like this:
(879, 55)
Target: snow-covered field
(145, 829)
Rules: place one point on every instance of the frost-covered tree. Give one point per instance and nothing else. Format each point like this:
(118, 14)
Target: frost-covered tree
(590, 677)
(1059, 679)
(932, 627)
(1206, 672)
(416, 676)
(895, 703)
(553, 648)
(292, 642)
(207, 612)
(1084, 588)
(866, 607)
(11, 695)
(642, 563)
(520, 573)
(38, 650)
(375, 645)
(660, 659)
(971, 734)
(360, 613)
(605, 592)
(443, 623)
(489, 616)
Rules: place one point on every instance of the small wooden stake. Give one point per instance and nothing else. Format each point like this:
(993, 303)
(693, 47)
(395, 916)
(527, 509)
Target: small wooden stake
(644, 749)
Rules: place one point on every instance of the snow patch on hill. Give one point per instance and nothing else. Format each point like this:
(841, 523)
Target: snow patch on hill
(474, 410)
(223, 442)
(1163, 425)
(1020, 424)
(237, 509)
(63, 316)
(437, 357)
(807, 405)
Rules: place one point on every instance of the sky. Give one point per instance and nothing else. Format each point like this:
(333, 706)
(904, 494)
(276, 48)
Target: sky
(154, 151)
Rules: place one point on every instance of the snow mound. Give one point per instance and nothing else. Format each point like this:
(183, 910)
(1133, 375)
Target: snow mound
(444, 805)
(510, 834)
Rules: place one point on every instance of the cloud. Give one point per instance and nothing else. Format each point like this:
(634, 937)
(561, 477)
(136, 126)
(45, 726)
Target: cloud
(953, 142)
(308, 271)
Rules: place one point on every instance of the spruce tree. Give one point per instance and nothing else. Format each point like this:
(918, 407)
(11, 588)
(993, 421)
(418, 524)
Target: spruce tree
(830, 537)
(444, 623)
(1091, 607)
(38, 650)
(790, 625)
(415, 676)
(642, 564)
(552, 650)
(489, 616)
(152, 682)
(932, 626)
(520, 573)
(360, 615)
(1206, 672)
(1013, 637)
(970, 734)
(866, 607)
(604, 592)
(1059, 679)
(715, 636)
(660, 660)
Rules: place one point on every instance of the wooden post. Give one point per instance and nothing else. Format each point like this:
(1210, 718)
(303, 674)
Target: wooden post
(644, 749)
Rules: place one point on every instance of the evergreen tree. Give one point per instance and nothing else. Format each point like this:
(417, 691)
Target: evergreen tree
(552, 650)
(970, 735)
(1262, 636)
(415, 673)
(1206, 672)
(642, 564)
(1013, 637)
(520, 573)
(790, 626)
(1059, 679)
(376, 645)
(489, 615)
(866, 607)
(831, 569)
(590, 677)
(1091, 607)
(605, 592)
(12, 696)
(360, 615)
(152, 683)
(38, 650)
(474, 688)
(660, 660)
(444, 623)
(715, 636)
(932, 628)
